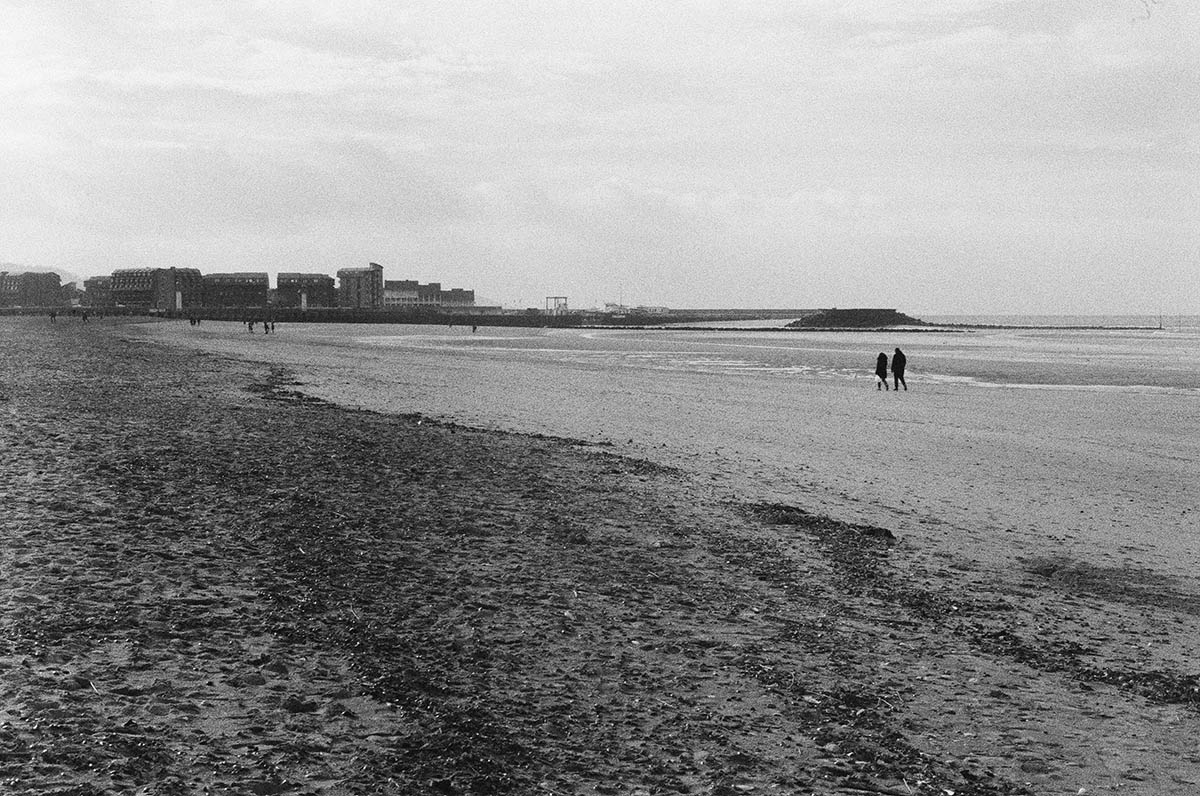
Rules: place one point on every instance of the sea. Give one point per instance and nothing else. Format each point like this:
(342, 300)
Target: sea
(1175, 321)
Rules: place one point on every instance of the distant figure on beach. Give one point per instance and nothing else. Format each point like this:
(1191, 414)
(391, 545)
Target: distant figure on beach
(881, 372)
(473, 328)
(53, 315)
(273, 330)
(898, 363)
(83, 315)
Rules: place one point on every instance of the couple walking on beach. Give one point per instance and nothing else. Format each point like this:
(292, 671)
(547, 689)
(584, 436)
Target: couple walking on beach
(881, 370)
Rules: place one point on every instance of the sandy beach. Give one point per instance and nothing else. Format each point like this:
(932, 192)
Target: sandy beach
(1102, 470)
(215, 582)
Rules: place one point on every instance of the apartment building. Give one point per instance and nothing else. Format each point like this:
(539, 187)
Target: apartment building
(409, 293)
(158, 289)
(361, 288)
(305, 290)
(242, 289)
(30, 289)
(97, 292)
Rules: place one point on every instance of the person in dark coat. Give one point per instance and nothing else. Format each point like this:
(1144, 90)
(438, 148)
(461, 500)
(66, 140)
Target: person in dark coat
(881, 372)
(898, 363)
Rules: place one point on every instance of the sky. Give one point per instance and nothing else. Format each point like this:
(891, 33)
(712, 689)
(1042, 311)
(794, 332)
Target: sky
(936, 156)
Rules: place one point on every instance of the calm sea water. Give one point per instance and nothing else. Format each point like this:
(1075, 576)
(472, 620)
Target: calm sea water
(1167, 358)
(1166, 321)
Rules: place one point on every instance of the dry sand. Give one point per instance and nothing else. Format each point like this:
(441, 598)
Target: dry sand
(212, 584)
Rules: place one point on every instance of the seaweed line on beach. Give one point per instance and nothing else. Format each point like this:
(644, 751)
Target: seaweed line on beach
(859, 554)
(855, 720)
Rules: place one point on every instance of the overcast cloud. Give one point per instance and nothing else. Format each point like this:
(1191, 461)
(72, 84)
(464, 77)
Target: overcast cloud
(932, 155)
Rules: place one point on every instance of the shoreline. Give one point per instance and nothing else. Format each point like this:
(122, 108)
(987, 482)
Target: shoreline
(454, 610)
(522, 322)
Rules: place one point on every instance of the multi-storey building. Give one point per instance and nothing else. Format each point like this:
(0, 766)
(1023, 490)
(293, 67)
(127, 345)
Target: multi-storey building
(97, 291)
(398, 293)
(361, 288)
(133, 287)
(41, 289)
(305, 290)
(9, 289)
(408, 293)
(179, 289)
(236, 290)
(457, 297)
(70, 295)
(160, 289)
(30, 289)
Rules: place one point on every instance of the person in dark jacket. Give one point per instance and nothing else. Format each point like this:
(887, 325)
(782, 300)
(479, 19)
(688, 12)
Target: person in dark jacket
(898, 363)
(881, 372)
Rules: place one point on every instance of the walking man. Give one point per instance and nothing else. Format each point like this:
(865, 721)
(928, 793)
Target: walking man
(898, 363)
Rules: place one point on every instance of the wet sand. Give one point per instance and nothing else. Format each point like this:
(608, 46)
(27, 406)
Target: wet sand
(1110, 476)
(214, 583)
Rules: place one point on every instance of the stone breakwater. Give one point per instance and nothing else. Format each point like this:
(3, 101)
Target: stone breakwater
(214, 584)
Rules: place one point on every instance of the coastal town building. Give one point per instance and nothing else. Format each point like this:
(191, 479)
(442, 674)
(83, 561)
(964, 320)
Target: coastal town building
(97, 292)
(457, 297)
(9, 290)
(411, 294)
(305, 290)
(176, 289)
(132, 287)
(179, 288)
(40, 289)
(407, 293)
(242, 289)
(30, 289)
(361, 288)
(70, 295)
(157, 289)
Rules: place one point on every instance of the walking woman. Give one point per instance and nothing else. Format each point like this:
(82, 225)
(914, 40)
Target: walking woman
(881, 372)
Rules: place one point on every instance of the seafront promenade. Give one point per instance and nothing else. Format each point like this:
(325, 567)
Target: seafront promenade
(212, 582)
